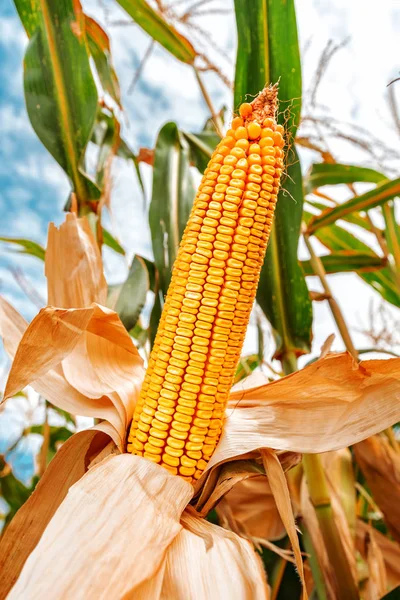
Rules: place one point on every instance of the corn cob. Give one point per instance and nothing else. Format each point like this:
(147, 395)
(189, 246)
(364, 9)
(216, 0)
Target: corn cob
(179, 415)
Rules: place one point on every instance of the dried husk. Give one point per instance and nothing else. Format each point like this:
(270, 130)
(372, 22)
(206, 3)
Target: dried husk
(73, 265)
(389, 549)
(380, 465)
(206, 561)
(26, 528)
(118, 534)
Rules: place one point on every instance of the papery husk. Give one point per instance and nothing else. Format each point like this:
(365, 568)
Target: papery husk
(81, 360)
(73, 265)
(26, 528)
(329, 405)
(376, 585)
(110, 535)
(310, 520)
(389, 549)
(280, 491)
(250, 507)
(207, 562)
(380, 465)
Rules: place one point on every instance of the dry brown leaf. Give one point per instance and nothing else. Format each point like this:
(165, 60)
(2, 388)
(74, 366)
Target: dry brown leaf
(23, 533)
(376, 586)
(280, 490)
(73, 265)
(390, 551)
(109, 536)
(380, 465)
(207, 562)
(86, 362)
(50, 337)
(251, 506)
(329, 405)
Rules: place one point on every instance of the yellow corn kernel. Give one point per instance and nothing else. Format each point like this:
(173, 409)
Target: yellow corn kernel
(179, 416)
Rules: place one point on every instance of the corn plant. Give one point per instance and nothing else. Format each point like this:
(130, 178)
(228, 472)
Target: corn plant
(197, 482)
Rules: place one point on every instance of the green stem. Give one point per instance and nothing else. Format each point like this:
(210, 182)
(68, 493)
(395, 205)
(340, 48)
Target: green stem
(289, 362)
(318, 576)
(320, 498)
(319, 270)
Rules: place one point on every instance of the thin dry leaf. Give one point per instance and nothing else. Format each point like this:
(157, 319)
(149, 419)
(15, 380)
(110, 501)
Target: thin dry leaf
(329, 405)
(73, 265)
(380, 465)
(250, 505)
(229, 568)
(376, 585)
(390, 551)
(23, 533)
(110, 534)
(280, 490)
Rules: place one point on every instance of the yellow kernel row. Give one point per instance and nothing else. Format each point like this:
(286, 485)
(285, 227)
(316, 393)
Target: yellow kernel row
(179, 416)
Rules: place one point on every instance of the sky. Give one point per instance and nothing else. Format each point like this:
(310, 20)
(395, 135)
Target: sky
(33, 188)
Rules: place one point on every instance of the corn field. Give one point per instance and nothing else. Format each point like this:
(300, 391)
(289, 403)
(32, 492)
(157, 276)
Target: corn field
(187, 413)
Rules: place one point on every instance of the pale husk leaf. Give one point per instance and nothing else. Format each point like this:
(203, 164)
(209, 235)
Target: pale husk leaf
(380, 465)
(81, 360)
(109, 536)
(390, 551)
(280, 491)
(25, 530)
(49, 338)
(206, 561)
(250, 506)
(329, 405)
(376, 586)
(73, 265)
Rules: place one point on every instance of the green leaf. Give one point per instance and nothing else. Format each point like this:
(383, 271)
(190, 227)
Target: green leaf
(99, 47)
(157, 27)
(14, 493)
(355, 218)
(267, 32)
(392, 231)
(379, 195)
(132, 296)
(202, 145)
(337, 239)
(112, 243)
(106, 135)
(333, 173)
(26, 246)
(57, 77)
(268, 51)
(347, 260)
(172, 199)
(282, 291)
